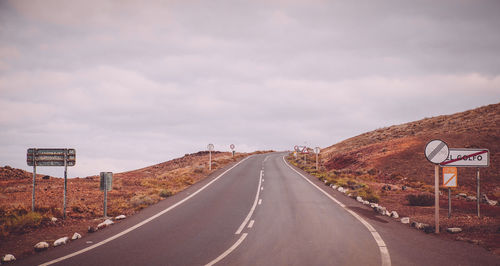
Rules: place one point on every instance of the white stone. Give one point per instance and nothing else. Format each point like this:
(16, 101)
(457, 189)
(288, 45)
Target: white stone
(345, 190)
(394, 214)
(340, 189)
(41, 246)
(104, 224)
(471, 198)
(324, 181)
(373, 205)
(53, 219)
(388, 213)
(76, 236)
(454, 230)
(8, 258)
(120, 217)
(359, 199)
(405, 220)
(463, 195)
(61, 241)
(334, 186)
(365, 202)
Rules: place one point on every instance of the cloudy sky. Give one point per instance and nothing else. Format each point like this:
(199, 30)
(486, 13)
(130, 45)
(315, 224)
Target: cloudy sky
(133, 83)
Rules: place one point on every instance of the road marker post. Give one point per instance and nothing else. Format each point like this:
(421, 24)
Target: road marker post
(436, 151)
(317, 150)
(210, 148)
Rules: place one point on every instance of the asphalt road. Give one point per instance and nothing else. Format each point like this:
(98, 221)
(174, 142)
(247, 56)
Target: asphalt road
(261, 211)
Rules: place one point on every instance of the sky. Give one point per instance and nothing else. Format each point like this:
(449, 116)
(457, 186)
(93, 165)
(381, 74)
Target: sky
(130, 83)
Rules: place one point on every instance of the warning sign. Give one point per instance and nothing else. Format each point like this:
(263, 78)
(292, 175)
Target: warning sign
(450, 177)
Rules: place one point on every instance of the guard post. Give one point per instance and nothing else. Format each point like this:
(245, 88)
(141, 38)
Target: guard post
(106, 185)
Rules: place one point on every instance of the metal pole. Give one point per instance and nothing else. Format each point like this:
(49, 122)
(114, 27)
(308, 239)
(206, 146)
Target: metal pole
(317, 168)
(34, 177)
(209, 160)
(105, 196)
(449, 202)
(65, 181)
(478, 190)
(436, 197)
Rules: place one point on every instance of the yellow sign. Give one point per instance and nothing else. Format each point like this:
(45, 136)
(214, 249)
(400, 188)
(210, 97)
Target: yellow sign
(450, 177)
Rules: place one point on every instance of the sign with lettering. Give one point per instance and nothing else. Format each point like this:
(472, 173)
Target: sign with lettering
(468, 158)
(51, 157)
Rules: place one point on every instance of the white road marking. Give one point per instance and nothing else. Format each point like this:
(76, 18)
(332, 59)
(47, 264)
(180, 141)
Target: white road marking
(141, 223)
(250, 224)
(262, 188)
(384, 252)
(227, 252)
(260, 201)
(253, 207)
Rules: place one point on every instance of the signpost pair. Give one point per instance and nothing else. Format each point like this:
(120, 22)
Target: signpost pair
(438, 153)
(305, 150)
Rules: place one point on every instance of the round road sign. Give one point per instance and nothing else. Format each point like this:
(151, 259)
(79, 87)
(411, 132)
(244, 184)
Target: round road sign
(296, 148)
(317, 150)
(210, 147)
(436, 151)
(231, 146)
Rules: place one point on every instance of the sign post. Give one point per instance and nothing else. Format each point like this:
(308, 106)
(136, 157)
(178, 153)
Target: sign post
(317, 150)
(436, 151)
(232, 148)
(51, 157)
(469, 158)
(210, 148)
(106, 185)
(450, 176)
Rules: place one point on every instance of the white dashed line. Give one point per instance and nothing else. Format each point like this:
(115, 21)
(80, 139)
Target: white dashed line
(260, 201)
(250, 224)
(253, 207)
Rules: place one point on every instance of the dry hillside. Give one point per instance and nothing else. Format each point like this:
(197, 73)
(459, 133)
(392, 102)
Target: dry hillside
(396, 153)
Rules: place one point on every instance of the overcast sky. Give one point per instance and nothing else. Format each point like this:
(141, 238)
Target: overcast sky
(133, 83)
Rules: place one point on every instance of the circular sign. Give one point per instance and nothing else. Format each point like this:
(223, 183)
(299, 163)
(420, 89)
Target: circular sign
(317, 150)
(296, 148)
(231, 146)
(210, 147)
(436, 151)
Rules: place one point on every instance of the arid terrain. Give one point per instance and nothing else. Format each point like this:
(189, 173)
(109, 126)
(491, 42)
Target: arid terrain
(388, 164)
(21, 229)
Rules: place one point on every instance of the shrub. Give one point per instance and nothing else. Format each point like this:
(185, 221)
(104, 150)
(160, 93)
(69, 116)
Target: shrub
(420, 199)
(164, 193)
(367, 194)
(141, 201)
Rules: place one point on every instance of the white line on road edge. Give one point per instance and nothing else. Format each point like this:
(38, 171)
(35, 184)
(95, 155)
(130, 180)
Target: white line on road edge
(141, 223)
(223, 255)
(384, 252)
(260, 201)
(253, 207)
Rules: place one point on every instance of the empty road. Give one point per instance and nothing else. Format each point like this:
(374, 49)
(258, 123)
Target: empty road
(261, 211)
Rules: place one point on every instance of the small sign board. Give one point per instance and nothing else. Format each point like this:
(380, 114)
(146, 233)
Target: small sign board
(296, 148)
(232, 146)
(436, 151)
(305, 150)
(106, 181)
(468, 158)
(210, 147)
(51, 157)
(317, 150)
(450, 177)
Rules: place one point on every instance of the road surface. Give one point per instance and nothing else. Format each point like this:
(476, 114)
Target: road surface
(261, 211)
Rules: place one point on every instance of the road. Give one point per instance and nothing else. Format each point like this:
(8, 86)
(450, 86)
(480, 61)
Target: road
(261, 211)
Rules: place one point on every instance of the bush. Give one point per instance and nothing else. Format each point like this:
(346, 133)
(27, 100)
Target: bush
(420, 199)
(164, 193)
(141, 201)
(367, 194)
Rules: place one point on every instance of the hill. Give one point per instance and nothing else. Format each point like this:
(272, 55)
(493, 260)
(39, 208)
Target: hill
(396, 153)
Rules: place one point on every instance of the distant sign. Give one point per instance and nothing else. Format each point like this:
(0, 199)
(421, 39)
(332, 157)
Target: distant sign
(210, 147)
(305, 150)
(232, 146)
(317, 150)
(296, 148)
(436, 151)
(450, 176)
(106, 181)
(51, 157)
(468, 158)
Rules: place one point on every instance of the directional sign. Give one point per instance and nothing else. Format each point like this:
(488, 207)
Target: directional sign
(468, 158)
(51, 157)
(436, 151)
(450, 176)
(106, 181)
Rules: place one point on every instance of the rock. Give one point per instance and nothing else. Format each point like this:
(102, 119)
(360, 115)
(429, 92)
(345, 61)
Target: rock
(388, 213)
(345, 190)
(334, 186)
(61, 241)
(394, 214)
(428, 229)
(350, 195)
(405, 220)
(420, 226)
(359, 199)
(120, 217)
(53, 219)
(104, 224)
(365, 202)
(46, 177)
(340, 189)
(471, 198)
(41, 246)
(91, 229)
(492, 202)
(373, 205)
(8, 258)
(463, 195)
(403, 188)
(485, 199)
(386, 187)
(380, 209)
(454, 230)
(76, 236)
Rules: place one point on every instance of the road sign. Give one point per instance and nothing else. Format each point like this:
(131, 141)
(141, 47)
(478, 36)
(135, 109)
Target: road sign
(106, 181)
(296, 148)
(51, 157)
(232, 146)
(210, 147)
(468, 158)
(317, 150)
(305, 150)
(450, 177)
(436, 151)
